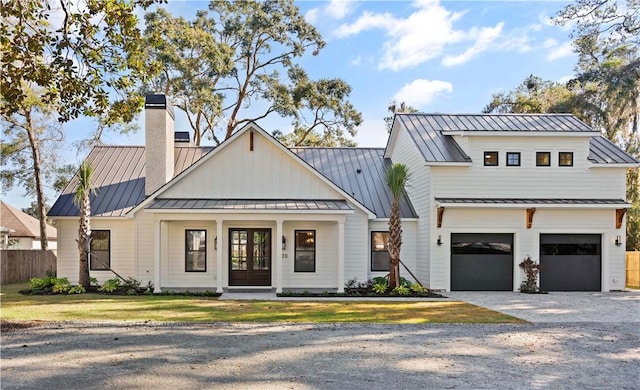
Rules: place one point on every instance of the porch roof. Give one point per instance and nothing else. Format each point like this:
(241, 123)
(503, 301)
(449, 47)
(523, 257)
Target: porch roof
(252, 204)
(532, 202)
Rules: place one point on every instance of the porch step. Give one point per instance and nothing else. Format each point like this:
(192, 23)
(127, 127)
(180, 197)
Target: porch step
(264, 295)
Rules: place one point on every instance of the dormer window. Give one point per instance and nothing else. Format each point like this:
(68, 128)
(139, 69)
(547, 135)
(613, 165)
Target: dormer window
(543, 159)
(513, 159)
(490, 159)
(565, 159)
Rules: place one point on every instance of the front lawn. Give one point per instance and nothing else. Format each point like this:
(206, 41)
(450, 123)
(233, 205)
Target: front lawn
(97, 307)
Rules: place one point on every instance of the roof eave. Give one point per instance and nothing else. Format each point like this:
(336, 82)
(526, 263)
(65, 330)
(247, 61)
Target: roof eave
(520, 133)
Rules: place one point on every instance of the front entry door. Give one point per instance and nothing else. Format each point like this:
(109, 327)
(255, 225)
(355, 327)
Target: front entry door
(250, 257)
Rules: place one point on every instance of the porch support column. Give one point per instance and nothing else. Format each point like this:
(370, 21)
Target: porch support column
(156, 255)
(278, 261)
(219, 249)
(341, 256)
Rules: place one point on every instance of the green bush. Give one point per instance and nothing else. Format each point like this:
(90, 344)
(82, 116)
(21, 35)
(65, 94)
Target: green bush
(110, 286)
(418, 289)
(77, 290)
(380, 279)
(402, 290)
(380, 288)
(61, 286)
(93, 281)
(40, 283)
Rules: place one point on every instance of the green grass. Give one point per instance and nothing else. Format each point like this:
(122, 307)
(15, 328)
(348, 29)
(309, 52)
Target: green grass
(96, 307)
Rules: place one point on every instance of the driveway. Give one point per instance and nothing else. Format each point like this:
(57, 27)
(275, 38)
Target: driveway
(559, 306)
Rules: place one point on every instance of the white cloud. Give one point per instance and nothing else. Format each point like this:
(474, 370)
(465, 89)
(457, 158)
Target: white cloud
(565, 79)
(422, 36)
(483, 40)
(563, 50)
(421, 92)
(335, 9)
(549, 42)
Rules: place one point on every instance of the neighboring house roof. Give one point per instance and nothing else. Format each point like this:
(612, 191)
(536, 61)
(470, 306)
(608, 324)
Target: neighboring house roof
(603, 151)
(251, 204)
(501, 122)
(119, 179)
(359, 172)
(22, 224)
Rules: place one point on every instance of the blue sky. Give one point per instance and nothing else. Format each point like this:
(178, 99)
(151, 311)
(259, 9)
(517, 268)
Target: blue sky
(438, 56)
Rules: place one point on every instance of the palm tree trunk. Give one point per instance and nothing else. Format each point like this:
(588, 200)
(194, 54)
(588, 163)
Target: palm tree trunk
(395, 242)
(84, 236)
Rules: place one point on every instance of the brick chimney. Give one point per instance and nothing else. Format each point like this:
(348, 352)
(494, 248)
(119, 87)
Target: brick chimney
(159, 142)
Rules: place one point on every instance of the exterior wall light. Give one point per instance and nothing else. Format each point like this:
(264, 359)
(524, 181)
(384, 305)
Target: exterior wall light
(215, 243)
(618, 240)
(284, 243)
(439, 241)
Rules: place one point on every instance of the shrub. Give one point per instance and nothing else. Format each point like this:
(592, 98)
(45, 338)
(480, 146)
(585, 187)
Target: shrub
(380, 279)
(77, 290)
(380, 288)
(110, 286)
(40, 283)
(401, 290)
(531, 270)
(60, 286)
(418, 289)
(93, 281)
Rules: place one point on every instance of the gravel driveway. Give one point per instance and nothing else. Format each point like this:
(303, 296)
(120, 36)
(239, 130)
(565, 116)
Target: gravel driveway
(325, 356)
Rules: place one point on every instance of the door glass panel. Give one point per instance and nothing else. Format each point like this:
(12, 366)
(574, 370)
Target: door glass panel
(238, 250)
(261, 250)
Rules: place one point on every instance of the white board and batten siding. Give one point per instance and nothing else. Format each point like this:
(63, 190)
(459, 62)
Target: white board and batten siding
(527, 180)
(267, 172)
(408, 250)
(122, 248)
(406, 152)
(174, 263)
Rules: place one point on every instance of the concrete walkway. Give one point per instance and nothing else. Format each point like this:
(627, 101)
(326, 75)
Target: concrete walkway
(559, 306)
(271, 296)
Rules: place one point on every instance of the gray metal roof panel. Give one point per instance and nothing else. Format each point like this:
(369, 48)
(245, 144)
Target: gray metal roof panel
(341, 166)
(501, 122)
(432, 144)
(119, 179)
(251, 204)
(603, 151)
(525, 201)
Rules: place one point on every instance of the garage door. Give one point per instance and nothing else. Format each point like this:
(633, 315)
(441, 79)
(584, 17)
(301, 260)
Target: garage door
(481, 262)
(570, 262)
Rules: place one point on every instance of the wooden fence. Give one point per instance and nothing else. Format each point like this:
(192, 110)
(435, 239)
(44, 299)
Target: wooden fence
(19, 265)
(633, 269)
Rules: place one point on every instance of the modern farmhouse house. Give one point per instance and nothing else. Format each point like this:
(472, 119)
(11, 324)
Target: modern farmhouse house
(485, 191)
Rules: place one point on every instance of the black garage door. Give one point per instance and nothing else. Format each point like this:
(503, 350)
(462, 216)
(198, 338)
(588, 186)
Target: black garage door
(481, 262)
(570, 262)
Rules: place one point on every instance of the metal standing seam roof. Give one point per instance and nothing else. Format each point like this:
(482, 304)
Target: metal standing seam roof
(527, 201)
(499, 122)
(252, 204)
(359, 172)
(119, 179)
(603, 151)
(425, 132)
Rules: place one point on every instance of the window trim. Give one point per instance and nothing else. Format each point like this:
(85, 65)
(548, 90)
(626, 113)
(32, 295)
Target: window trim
(186, 249)
(484, 158)
(543, 153)
(295, 249)
(91, 268)
(519, 154)
(372, 251)
(560, 164)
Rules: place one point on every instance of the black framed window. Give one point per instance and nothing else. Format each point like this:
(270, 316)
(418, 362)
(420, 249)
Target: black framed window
(565, 159)
(305, 251)
(513, 159)
(379, 251)
(195, 251)
(100, 256)
(543, 159)
(490, 159)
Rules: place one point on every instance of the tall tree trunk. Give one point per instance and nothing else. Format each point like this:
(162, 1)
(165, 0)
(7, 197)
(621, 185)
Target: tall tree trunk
(35, 154)
(84, 236)
(395, 242)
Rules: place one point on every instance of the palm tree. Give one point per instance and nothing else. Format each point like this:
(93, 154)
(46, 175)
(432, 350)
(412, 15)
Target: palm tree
(82, 201)
(397, 176)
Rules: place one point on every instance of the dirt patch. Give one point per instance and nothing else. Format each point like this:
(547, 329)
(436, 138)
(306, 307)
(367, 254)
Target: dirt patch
(9, 326)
